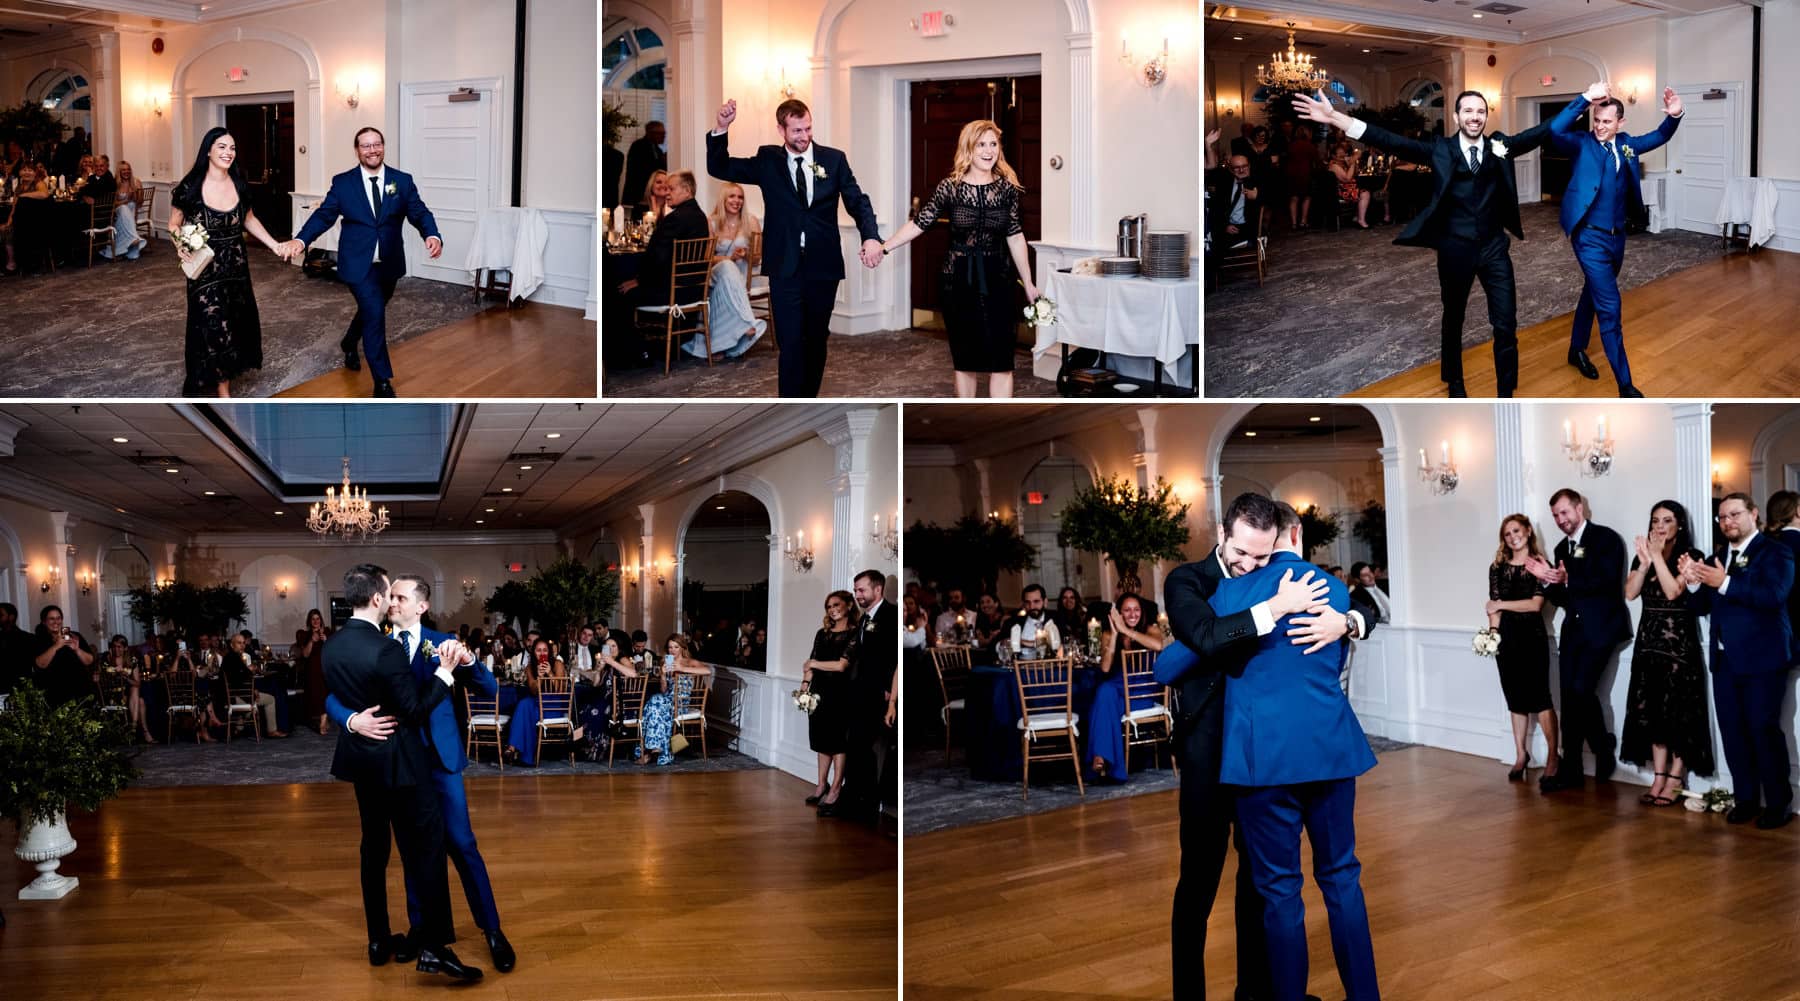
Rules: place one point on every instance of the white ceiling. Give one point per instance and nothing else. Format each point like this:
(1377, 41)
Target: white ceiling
(1454, 22)
(607, 449)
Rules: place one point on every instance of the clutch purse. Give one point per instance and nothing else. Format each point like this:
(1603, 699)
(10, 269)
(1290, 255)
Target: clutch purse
(197, 262)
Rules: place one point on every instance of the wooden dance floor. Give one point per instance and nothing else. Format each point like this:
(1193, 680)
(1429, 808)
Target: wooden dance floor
(701, 885)
(536, 352)
(1478, 890)
(1722, 328)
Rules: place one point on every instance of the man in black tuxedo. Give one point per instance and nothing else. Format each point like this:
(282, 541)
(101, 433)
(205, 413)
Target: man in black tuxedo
(801, 184)
(1744, 590)
(1588, 584)
(1220, 645)
(386, 758)
(1234, 211)
(1474, 203)
(685, 221)
(643, 159)
(873, 660)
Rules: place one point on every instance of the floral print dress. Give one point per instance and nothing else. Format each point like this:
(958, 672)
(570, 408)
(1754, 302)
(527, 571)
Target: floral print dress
(224, 332)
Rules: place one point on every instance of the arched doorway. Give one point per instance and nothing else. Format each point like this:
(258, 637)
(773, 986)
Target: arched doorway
(123, 566)
(725, 559)
(635, 80)
(1044, 492)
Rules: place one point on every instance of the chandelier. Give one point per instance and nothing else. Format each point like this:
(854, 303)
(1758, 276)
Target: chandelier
(1290, 71)
(347, 513)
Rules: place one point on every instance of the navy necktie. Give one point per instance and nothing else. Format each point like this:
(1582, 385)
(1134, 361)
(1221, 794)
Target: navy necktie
(375, 194)
(406, 643)
(1614, 155)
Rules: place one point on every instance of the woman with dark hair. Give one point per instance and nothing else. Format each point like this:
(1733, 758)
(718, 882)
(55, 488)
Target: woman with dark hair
(1106, 733)
(1515, 608)
(224, 333)
(122, 662)
(1070, 616)
(1665, 707)
(64, 664)
(826, 674)
(309, 649)
(521, 738)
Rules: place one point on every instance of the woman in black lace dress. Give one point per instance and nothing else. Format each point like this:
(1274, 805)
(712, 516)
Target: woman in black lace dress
(828, 729)
(1516, 607)
(224, 333)
(987, 248)
(1665, 707)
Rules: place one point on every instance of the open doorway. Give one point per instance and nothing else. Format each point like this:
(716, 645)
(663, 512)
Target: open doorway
(264, 131)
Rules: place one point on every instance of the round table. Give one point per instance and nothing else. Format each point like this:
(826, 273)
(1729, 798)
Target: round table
(993, 720)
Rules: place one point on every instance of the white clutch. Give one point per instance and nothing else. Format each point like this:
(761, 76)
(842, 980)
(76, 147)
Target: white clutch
(197, 262)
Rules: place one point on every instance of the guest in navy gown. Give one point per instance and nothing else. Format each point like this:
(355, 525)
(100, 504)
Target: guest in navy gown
(521, 738)
(1106, 734)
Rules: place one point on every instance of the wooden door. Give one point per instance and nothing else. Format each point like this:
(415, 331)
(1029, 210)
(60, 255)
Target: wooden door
(265, 159)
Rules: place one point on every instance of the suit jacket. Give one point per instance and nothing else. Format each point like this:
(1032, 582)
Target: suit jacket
(348, 199)
(1593, 601)
(1441, 155)
(1287, 720)
(1208, 645)
(1791, 539)
(441, 733)
(1591, 159)
(684, 222)
(1219, 182)
(364, 668)
(877, 647)
(612, 167)
(643, 159)
(786, 217)
(1750, 630)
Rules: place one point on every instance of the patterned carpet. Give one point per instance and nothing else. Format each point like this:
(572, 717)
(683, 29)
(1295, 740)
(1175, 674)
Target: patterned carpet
(118, 329)
(941, 795)
(1341, 310)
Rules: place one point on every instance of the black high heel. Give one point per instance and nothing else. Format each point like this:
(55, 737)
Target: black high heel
(1518, 774)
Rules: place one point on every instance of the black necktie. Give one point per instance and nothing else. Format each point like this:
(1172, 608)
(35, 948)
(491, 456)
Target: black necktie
(1731, 563)
(375, 193)
(1474, 161)
(800, 178)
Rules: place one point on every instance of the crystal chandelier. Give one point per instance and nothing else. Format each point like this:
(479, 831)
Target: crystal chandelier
(347, 513)
(1290, 71)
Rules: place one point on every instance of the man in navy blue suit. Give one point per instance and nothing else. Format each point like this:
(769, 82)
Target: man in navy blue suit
(1294, 748)
(1602, 186)
(409, 598)
(1745, 591)
(373, 200)
(801, 184)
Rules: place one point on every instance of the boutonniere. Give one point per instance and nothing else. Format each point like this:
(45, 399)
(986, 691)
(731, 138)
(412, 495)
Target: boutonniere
(429, 649)
(818, 171)
(392, 190)
(1498, 147)
(1626, 151)
(1743, 561)
(869, 625)
(1580, 551)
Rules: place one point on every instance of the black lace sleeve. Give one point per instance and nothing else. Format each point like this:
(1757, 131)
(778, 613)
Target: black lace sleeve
(1496, 582)
(1014, 195)
(937, 205)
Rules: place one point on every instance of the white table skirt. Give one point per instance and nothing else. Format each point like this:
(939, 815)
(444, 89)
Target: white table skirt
(1124, 316)
(511, 239)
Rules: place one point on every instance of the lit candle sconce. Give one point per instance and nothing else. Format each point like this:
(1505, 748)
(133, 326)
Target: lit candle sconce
(468, 587)
(1442, 477)
(630, 574)
(1229, 107)
(86, 579)
(799, 554)
(1593, 458)
(1718, 480)
(1151, 73)
(282, 589)
(51, 576)
(662, 576)
(785, 90)
(889, 541)
(350, 90)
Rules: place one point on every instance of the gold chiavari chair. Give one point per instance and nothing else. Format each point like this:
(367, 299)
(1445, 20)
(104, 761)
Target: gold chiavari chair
(690, 710)
(556, 711)
(690, 277)
(182, 700)
(141, 216)
(628, 712)
(240, 702)
(99, 232)
(757, 285)
(1047, 711)
(115, 692)
(485, 720)
(953, 665)
(1147, 719)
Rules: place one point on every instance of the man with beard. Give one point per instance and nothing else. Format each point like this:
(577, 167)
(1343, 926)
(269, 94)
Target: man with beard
(953, 610)
(1035, 628)
(873, 660)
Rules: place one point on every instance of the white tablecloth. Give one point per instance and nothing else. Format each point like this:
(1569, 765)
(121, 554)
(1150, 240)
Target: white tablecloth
(1750, 201)
(511, 239)
(1124, 316)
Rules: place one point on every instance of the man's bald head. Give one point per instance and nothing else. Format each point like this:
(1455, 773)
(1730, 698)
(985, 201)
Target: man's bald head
(1239, 164)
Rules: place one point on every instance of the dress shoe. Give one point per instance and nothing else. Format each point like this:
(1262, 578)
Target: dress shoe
(442, 960)
(813, 800)
(1579, 359)
(381, 950)
(501, 950)
(828, 809)
(1457, 392)
(1771, 819)
(1741, 814)
(1629, 392)
(384, 390)
(1563, 780)
(1603, 768)
(351, 361)
(406, 948)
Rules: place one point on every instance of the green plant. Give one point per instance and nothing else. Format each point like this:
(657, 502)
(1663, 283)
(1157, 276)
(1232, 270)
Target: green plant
(614, 121)
(569, 592)
(970, 554)
(512, 601)
(29, 124)
(191, 610)
(1371, 527)
(1125, 524)
(1318, 528)
(52, 758)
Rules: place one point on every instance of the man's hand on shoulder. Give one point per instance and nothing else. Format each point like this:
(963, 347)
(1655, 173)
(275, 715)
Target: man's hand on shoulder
(1293, 596)
(1319, 630)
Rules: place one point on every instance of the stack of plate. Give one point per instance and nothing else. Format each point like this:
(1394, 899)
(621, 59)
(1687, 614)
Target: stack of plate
(1166, 254)
(1118, 267)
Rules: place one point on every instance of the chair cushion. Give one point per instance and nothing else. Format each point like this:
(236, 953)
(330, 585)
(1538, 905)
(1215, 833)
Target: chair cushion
(1148, 712)
(665, 309)
(956, 704)
(181, 709)
(689, 717)
(554, 721)
(1048, 721)
(486, 720)
(633, 721)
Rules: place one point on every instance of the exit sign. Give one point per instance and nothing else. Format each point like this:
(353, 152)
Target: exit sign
(1034, 497)
(931, 24)
(1546, 80)
(515, 567)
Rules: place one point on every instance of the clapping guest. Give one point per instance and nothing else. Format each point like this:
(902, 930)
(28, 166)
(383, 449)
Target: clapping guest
(733, 327)
(121, 661)
(1515, 608)
(678, 672)
(1665, 708)
(521, 737)
(826, 674)
(1106, 734)
(64, 661)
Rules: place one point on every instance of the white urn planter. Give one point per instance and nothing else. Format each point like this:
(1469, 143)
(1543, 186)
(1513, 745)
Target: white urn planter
(46, 845)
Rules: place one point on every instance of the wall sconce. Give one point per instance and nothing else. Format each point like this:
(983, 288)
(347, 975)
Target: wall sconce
(1151, 73)
(785, 90)
(86, 579)
(1442, 478)
(1718, 481)
(468, 587)
(799, 554)
(1229, 109)
(1638, 85)
(629, 574)
(1594, 458)
(165, 582)
(351, 95)
(281, 589)
(51, 576)
(889, 541)
(662, 576)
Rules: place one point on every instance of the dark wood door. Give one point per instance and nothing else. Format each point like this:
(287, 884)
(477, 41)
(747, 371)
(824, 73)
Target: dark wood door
(1555, 169)
(265, 142)
(940, 109)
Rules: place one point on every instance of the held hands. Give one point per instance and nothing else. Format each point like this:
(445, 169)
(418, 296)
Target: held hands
(727, 115)
(1303, 595)
(290, 250)
(433, 247)
(871, 254)
(1671, 103)
(367, 724)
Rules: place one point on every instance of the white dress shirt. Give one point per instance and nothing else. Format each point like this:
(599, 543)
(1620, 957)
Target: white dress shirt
(380, 176)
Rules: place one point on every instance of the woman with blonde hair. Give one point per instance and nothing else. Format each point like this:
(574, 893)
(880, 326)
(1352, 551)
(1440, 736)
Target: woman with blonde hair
(987, 248)
(657, 729)
(655, 202)
(1516, 608)
(826, 674)
(733, 327)
(128, 194)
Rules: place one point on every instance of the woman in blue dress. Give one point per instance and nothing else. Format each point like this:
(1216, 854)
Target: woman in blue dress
(678, 673)
(521, 737)
(734, 328)
(1106, 734)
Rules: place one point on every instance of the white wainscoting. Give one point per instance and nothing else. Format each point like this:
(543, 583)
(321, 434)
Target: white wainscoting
(753, 711)
(1787, 217)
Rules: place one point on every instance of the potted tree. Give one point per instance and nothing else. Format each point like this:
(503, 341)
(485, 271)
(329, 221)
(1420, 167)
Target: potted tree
(51, 759)
(1126, 525)
(570, 593)
(1318, 528)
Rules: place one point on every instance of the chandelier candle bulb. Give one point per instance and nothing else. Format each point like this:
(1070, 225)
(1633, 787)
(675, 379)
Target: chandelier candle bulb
(1568, 433)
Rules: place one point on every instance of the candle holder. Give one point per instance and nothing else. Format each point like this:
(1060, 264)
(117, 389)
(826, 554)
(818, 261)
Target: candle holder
(1441, 477)
(1593, 459)
(799, 554)
(889, 541)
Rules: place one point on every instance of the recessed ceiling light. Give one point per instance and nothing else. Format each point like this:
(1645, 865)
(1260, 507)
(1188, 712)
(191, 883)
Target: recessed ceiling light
(1237, 38)
(721, 507)
(171, 469)
(1365, 50)
(1315, 420)
(490, 510)
(553, 434)
(120, 441)
(281, 512)
(506, 490)
(684, 458)
(1249, 434)
(1477, 13)
(524, 467)
(119, 509)
(209, 493)
(478, 521)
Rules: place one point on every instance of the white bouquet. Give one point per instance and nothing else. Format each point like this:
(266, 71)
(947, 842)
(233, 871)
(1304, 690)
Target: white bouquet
(1486, 642)
(805, 701)
(1041, 312)
(191, 237)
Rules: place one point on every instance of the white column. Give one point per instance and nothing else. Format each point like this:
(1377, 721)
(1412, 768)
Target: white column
(1509, 457)
(1693, 465)
(850, 507)
(62, 529)
(690, 118)
(646, 576)
(984, 469)
(1082, 148)
(108, 96)
(1149, 459)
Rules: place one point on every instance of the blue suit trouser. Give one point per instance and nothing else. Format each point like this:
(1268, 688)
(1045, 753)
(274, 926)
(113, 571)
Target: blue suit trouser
(1600, 255)
(369, 326)
(459, 844)
(1749, 710)
(1272, 818)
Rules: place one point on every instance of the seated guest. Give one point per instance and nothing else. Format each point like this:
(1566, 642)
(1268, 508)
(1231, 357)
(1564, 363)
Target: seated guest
(19, 231)
(1034, 630)
(640, 648)
(1071, 615)
(522, 737)
(235, 673)
(917, 630)
(95, 186)
(1234, 209)
(660, 709)
(655, 202)
(595, 713)
(955, 613)
(1343, 170)
(64, 663)
(733, 327)
(122, 662)
(990, 626)
(1106, 732)
(684, 221)
(128, 196)
(1366, 596)
(583, 652)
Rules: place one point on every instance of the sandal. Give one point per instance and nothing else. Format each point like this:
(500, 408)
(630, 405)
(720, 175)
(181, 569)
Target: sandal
(1675, 791)
(1650, 798)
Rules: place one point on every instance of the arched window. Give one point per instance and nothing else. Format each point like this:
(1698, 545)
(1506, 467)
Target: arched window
(1047, 489)
(1429, 94)
(1338, 91)
(64, 94)
(633, 73)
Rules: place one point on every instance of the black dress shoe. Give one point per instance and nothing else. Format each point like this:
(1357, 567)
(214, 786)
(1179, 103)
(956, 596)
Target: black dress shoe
(442, 960)
(1741, 814)
(381, 950)
(502, 951)
(1630, 393)
(351, 361)
(1579, 359)
(1457, 392)
(1772, 819)
(1603, 768)
(828, 809)
(405, 948)
(384, 390)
